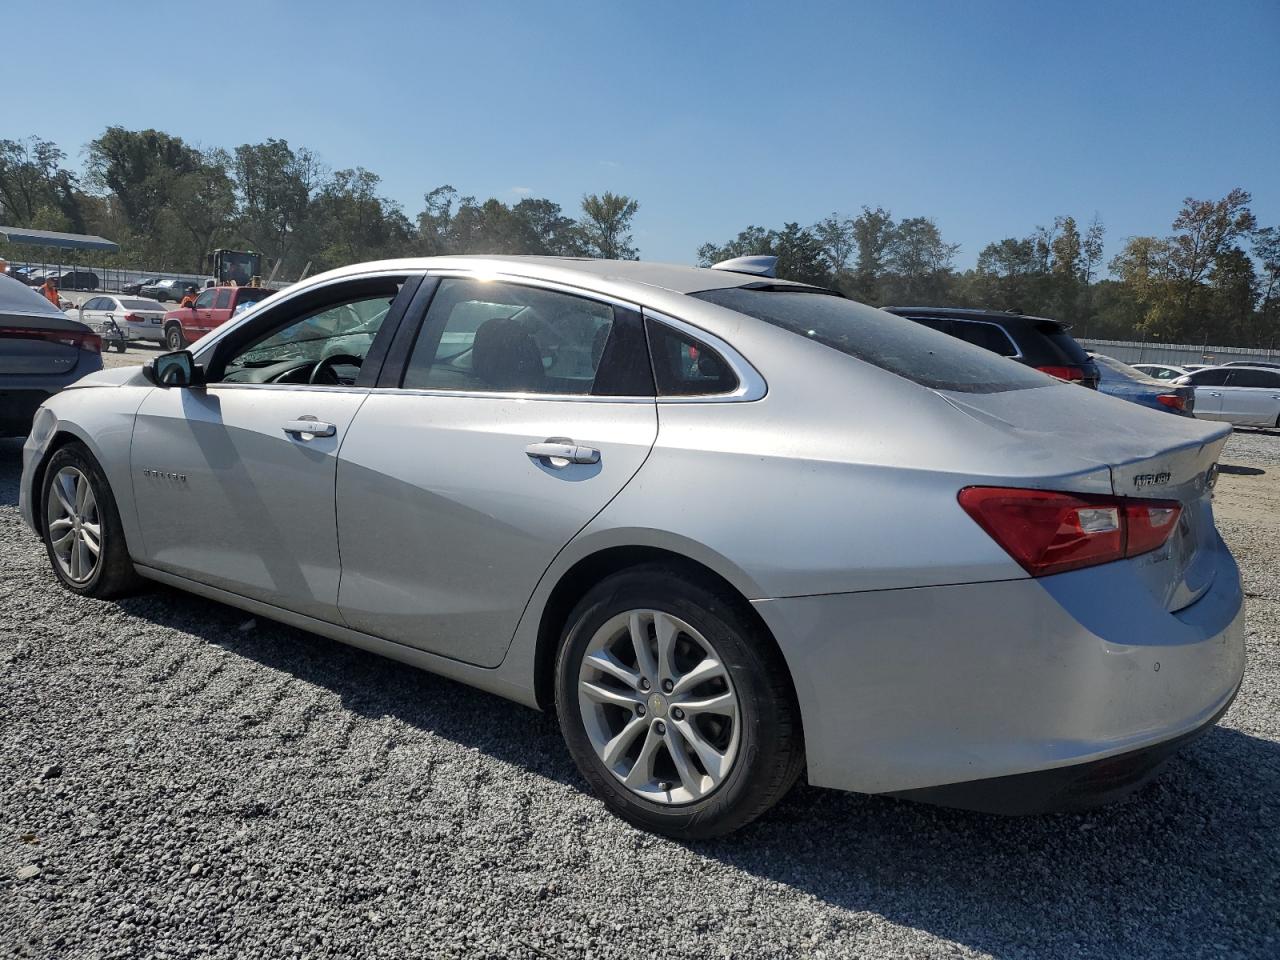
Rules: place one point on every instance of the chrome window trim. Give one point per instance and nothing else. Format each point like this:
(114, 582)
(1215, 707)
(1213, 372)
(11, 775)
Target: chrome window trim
(751, 385)
(309, 387)
(496, 395)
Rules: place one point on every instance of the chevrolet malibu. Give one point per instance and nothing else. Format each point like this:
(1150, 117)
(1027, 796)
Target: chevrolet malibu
(728, 528)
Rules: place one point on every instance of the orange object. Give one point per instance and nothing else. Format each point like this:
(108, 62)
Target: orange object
(50, 292)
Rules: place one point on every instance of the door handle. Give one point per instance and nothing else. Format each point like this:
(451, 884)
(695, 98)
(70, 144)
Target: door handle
(306, 428)
(564, 449)
(1215, 394)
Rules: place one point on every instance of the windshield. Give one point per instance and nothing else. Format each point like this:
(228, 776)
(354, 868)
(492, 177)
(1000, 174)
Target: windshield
(140, 305)
(893, 343)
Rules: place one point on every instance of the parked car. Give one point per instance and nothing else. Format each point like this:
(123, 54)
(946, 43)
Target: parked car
(25, 274)
(1117, 379)
(164, 290)
(77, 280)
(1035, 341)
(136, 317)
(41, 351)
(855, 545)
(135, 289)
(1245, 396)
(1161, 371)
(213, 307)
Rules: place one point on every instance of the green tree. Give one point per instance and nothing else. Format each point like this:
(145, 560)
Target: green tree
(1203, 230)
(203, 207)
(141, 169)
(836, 234)
(920, 261)
(35, 186)
(606, 226)
(276, 185)
(872, 235)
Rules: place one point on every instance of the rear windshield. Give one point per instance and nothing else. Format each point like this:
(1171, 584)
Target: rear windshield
(251, 294)
(140, 305)
(910, 350)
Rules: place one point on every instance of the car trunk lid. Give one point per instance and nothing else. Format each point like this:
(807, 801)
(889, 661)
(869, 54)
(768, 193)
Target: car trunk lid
(1149, 455)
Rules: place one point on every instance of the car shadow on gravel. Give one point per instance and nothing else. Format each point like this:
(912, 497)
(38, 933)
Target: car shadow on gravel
(1184, 859)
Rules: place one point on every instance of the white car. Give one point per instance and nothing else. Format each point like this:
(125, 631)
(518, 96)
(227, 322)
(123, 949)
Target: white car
(137, 317)
(1161, 371)
(1244, 396)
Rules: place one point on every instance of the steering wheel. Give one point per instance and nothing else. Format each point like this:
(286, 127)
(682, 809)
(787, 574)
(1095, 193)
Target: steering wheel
(323, 372)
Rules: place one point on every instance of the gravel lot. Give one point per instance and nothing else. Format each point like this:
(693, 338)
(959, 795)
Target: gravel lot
(179, 781)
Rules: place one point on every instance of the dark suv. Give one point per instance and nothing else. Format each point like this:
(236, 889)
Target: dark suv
(1036, 341)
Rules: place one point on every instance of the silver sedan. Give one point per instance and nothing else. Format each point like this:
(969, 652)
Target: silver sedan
(728, 528)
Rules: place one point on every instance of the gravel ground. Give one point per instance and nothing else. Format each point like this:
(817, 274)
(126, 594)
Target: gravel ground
(179, 781)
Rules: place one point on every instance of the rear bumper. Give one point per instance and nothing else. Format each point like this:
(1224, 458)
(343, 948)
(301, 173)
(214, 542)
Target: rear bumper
(909, 690)
(1075, 787)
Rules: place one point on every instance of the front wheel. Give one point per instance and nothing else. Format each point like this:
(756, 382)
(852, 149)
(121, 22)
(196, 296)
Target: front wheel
(81, 526)
(173, 338)
(675, 705)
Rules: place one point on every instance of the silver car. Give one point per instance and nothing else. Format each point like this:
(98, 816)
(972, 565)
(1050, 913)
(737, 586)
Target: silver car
(1247, 396)
(729, 528)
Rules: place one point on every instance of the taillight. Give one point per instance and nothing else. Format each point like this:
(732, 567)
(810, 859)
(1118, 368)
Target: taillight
(1172, 401)
(1049, 532)
(68, 338)
(1071, 374)
(132, 318)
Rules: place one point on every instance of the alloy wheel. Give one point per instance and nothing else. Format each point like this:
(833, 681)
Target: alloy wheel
(75, 529)
(659, 707)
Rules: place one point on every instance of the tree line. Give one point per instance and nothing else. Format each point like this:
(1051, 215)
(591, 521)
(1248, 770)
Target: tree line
(1213, 278)
(168, 204)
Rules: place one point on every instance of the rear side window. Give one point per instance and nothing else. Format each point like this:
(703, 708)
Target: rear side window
(989, 336)
(684, 366)
(1208, 378)
(892, 343)
(1047, 344)
(1253, 378)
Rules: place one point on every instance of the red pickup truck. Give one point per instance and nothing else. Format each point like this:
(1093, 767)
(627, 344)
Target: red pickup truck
(213, 307)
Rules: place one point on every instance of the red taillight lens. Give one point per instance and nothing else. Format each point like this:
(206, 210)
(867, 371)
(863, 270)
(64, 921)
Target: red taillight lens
(132, 318)
(1049, 532)
(1172, 401)
(1072, 374)
(68, 338)
(1148, 524)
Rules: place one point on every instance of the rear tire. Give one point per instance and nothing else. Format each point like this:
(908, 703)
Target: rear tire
(81, 527)
(687, 758)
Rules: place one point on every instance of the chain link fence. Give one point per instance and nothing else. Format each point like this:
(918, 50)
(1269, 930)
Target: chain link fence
(1153, 351)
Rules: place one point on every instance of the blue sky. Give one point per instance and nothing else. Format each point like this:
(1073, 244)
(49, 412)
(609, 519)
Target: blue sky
(989, 117)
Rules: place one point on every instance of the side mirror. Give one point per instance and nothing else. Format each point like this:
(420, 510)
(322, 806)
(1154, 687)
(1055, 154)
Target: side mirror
(177, 369)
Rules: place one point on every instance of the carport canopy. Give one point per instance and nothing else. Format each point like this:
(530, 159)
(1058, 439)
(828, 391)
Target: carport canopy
(51, 238)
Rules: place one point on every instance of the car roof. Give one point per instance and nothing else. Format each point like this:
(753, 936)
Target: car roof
(612, 273)
(972, 313)
(17, 299)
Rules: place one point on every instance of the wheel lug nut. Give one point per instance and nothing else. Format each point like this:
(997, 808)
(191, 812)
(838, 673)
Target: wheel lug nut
(667, 686)
(644, 684)
(660, 727)
(677, 713)
(639, 709)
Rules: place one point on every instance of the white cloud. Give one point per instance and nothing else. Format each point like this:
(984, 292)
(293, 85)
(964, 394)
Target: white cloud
(522, 191)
